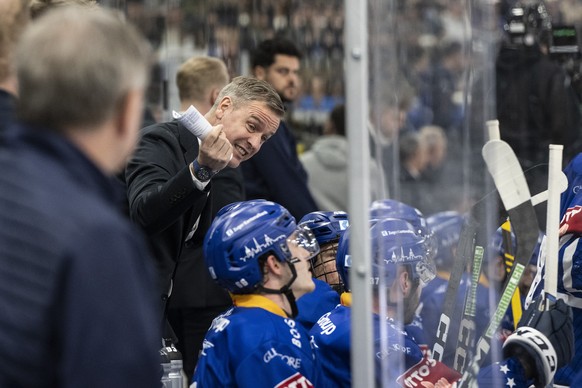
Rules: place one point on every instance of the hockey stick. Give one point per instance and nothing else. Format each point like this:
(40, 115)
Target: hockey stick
(465, 249)
(466, 239)
(509, 257)
(504, 167)
(466, 244)
(553, 224)
(467, 328)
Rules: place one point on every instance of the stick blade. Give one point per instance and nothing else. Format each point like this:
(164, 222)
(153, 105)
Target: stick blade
(507, 173)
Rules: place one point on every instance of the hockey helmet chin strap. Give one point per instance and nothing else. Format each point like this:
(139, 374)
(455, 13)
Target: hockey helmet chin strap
(286, 289)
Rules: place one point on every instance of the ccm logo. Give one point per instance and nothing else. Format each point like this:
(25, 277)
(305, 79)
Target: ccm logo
(295, 381)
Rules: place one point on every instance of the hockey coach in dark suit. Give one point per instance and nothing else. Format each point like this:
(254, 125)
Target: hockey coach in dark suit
(170, 175)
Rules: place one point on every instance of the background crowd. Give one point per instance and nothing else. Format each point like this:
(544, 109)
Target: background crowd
(429, 59)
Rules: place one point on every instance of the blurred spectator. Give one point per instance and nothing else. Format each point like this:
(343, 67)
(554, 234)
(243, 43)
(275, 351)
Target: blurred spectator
(436, 85)
(276, 173)
(314, 106)
(441, 174)
(445, 82)
(453, 18)
(413, 156)
(435, 139)
(199, 81)
(327, 165)
(318, 97)
(388, 120)
(417, 72)
(413, 161)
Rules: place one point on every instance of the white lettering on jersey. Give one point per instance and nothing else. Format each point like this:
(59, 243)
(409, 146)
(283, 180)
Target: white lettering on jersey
(294, 333)
(219, 324)
(396, 347)
(326, 325)
(571, 212)
(291, 361)
(418, 373)
(206, 345)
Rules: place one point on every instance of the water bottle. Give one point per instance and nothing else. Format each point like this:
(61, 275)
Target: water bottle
(173, 376)
(166, 367)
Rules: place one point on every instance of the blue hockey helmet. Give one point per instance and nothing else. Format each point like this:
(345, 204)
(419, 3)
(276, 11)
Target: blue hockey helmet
(235, 205)
(391, 208)
(326, 226)
(498, 247)
(394, 242)
(239, 237)
(446, 227)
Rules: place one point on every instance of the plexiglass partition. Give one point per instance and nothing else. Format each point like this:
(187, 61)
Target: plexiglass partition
(419, 80)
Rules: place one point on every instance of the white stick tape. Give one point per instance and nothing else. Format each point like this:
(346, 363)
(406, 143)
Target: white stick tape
(553, 219)
(493, 129)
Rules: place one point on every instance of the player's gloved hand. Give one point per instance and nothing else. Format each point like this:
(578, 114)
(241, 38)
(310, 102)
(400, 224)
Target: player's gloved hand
(543, 341)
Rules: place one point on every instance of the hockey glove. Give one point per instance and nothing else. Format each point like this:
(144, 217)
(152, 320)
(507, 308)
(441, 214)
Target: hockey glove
(543, 341)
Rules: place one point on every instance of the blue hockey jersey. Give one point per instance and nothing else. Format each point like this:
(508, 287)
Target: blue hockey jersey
(569, 264)
(331, 339)
(254, 344)
(402, 356)
(313, 305)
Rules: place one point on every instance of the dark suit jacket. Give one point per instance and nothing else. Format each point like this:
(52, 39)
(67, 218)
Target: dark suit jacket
(165, 202)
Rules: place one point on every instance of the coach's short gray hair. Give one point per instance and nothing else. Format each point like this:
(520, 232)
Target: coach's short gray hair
(76, 64)
(246, 89)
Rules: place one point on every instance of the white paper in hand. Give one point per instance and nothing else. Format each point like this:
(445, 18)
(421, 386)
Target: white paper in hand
(194, 122)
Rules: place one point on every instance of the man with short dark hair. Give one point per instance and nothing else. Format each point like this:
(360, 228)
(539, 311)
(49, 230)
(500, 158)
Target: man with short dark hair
(276, 173)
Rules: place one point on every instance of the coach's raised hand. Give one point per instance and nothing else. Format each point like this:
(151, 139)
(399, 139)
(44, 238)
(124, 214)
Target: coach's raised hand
(215, 150)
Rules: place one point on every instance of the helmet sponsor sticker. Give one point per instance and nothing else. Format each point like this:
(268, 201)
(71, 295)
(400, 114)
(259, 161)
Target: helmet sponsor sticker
(238, 227)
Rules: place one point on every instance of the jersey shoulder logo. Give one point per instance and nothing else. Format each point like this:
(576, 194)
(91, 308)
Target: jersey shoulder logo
(295, 381)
